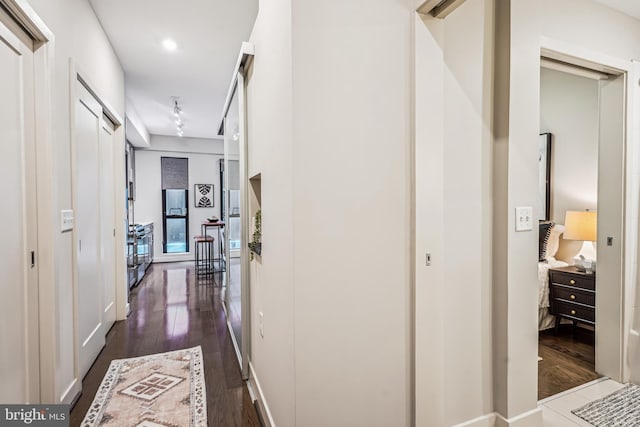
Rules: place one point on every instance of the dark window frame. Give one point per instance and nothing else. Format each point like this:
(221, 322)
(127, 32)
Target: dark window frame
(165, 216)
(174, 173)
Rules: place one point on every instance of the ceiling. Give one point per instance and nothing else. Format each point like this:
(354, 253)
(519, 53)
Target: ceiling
(208, 34)
(629, 7)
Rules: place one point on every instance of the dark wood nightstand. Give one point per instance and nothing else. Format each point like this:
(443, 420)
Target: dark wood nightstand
(572, 295)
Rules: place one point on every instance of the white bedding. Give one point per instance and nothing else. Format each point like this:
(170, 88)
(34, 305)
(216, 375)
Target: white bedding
(545, 320)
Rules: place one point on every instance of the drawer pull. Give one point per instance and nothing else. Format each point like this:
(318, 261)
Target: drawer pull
(572, 282)
(573, 312)
(572, 297)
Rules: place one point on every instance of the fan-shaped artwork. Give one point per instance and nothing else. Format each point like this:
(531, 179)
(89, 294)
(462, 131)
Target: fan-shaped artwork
(203, 195)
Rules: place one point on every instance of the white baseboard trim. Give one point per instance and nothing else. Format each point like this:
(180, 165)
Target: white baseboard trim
(187, 256)
(531, 418)
(252, 393)
(254, 384)
(70, 393)
(482, 421)
(234, 341)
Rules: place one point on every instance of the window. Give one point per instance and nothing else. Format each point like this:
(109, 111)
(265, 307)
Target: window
(175, 211)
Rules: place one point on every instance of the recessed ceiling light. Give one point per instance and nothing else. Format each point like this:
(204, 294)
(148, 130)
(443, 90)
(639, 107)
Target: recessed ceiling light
(169, 44)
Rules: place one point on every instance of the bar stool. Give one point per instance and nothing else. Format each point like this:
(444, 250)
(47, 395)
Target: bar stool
(204, 255)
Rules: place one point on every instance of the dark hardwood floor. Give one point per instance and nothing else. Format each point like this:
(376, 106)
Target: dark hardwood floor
(170, 310)
(568, 360)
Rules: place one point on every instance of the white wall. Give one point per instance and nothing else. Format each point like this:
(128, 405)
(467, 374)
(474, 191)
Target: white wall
(269, 110)
(351, 173)
(78, 35)
(335, 297)
(569, 110)
(334, 282)
(453, 187)
(204, 156)
(454, 164)
(598, 31)
(136, 132)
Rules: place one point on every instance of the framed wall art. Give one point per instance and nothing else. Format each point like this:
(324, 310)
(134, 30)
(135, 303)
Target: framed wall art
(203, 195)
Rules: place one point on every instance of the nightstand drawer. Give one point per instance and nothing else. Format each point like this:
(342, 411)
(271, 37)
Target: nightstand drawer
(573, 311)
(585, 282)
(572, 294)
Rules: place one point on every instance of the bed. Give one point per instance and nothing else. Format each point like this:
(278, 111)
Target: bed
(548, 246)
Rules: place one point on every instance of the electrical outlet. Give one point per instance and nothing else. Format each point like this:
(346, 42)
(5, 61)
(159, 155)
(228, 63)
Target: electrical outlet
(524, 218)
(261, 324)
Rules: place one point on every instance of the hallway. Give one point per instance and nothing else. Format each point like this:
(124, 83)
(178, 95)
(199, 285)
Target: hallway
(170, 310)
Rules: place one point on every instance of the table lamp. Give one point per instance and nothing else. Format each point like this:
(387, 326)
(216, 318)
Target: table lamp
(582, 225)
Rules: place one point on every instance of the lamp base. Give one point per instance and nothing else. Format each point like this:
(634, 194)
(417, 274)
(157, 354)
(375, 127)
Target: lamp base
(584, 265)
(585, 260)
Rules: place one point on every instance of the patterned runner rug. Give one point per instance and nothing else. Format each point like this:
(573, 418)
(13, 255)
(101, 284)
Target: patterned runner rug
(159, 390)
(619, 409)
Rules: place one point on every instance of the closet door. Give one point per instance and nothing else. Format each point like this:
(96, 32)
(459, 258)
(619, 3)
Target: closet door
(19, 380)
(88, 128)
(107, 220)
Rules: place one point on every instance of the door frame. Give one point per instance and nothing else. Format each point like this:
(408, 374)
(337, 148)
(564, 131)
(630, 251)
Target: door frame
(78, 76)
(576, 55)
(41, 385)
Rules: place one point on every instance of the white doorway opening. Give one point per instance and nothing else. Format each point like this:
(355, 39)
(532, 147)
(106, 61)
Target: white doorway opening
(614, 202)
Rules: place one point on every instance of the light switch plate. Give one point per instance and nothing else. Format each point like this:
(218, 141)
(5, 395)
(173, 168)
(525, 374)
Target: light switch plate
(524, 218)
(66, 220)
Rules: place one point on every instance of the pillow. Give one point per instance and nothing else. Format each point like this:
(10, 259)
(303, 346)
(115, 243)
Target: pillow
(543, 238)
(553, 243)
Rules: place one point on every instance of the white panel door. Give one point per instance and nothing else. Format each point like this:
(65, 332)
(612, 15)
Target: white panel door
(610, 254)
(19, 381)
(107, 220)
(88, 127)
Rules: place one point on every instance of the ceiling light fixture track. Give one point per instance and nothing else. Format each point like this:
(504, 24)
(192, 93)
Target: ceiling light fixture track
(177, 114)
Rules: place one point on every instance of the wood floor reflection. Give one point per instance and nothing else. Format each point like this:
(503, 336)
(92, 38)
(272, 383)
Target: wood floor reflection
(172, 309)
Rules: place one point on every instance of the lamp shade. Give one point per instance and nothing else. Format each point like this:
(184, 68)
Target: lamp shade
(580, 225)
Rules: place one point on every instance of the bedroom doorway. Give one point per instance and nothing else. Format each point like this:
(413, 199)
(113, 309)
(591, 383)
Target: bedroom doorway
(582, 126)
